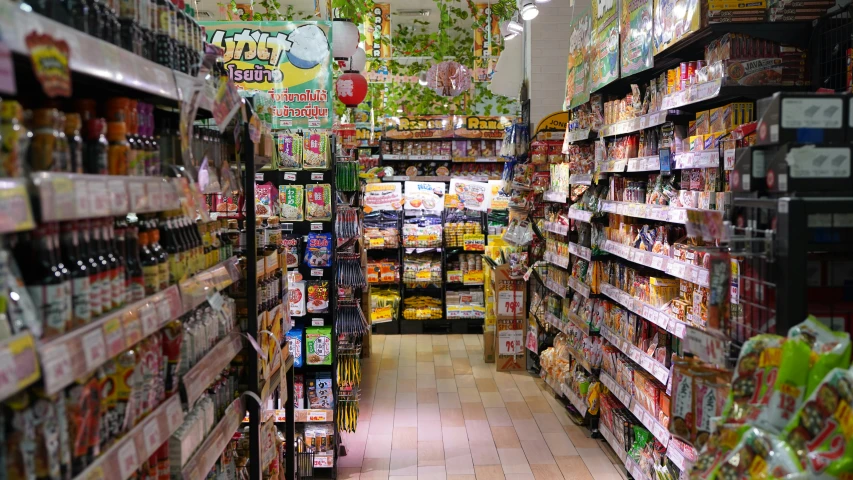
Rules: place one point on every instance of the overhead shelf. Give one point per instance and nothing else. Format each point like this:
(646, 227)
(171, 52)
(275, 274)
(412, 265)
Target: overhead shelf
(645, 310)
(205, 284)
(96, 58)
(200, 376)
(685, 271)
(209, 451)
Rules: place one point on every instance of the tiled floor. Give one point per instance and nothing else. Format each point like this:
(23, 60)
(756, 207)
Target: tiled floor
(432, 409)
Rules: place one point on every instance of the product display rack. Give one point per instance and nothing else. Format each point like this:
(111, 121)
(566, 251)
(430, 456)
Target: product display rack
(392, 327)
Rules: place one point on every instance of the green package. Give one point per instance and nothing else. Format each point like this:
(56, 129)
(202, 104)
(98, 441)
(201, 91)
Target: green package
(829, 349)
(290, 199)
(318, 345)
(754, 378)
(756, 454)
(821, 430)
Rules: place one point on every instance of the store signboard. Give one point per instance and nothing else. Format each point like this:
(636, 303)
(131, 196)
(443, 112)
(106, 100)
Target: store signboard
(426, 126)
(291, 61)
(577, 74)
(383, 196)
(424, 196)
(479, 126)
(636, 36)
(604, 47)
(377, 32)
(471, 195)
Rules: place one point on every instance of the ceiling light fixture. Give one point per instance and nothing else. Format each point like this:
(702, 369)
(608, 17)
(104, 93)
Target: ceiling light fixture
(422, 78)
(511, 28)
(529, 10)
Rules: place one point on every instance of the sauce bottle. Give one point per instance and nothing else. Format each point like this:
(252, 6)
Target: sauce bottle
(136, 281)
(75, 142)
(150, 269)
(108, 272)
(45, 138)
(96, 272)
(118, 148)
(78, 268)
(96, 148)
(162, 256)
(15, 138)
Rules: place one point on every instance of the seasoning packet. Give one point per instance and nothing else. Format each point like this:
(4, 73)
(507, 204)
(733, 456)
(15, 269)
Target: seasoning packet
(297, 299)
(294, 345)
(754, 377)
(318, 296)
(290, 148)
(290, 243)
(316, 151)
(319, 250)
(290, 199)
(263, 200)
(819, 429)
(318, 345)
(318, 202)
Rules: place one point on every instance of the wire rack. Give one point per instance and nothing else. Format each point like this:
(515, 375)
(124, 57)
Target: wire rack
(834, 41)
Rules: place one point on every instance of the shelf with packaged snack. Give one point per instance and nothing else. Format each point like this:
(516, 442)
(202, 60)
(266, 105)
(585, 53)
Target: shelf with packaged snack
(205, 284)
(579, 286)
(620, 393)
(634, 124)
(575, 399)
(645, 310)
(579, 251)
(649, 364)
(96, 58)
(618, 448)
(557, 228)
(581, 179)
(561, 261)
(554, 196)
(209, 451)
(580, 215)
(663, 213)
(19, 366)
(580, 135)
(199, 377)
(683, 270)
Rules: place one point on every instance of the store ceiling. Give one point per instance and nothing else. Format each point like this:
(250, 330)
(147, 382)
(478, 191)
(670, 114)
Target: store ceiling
(210, 10)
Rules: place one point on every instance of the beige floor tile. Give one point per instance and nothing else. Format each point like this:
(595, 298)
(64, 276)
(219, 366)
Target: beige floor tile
(430, 453)
(479, 432)
(579, 438)
(403, 417)
(484, 454)
(513, 460)
(471, 340)
(491, 399)
(547, 422)
(538, 405)
(404, 438)
(406, 386)
(486, 384)
(404, 462)
(382, 423)
(511, 394)
(445, 385)
(461, 365)
(427, 395)
(408, 361)
(458, 353)
(458, 463)
(573, 468)
(559, 444)
(375, 469)
(519, 476)
(498, 417)
(505, 437)
(407, 400)
(455, 438)
(429, 432)
(440, 349)
(349, 473)
(546, 472)
(403, 477)
(452, 417)
(527, 430)
(425, 356)
(448, 400)
(439, 340)
(465, 381)
(432, 473)
(378, 446)
(518, 411)
(489, 472)
(442, 360)
(426, 381)
(537, 452)
(460, 477)
(426, 368)
(442, 373)
(469, 394)
(407, 373)
(473, 411)
(388, 364)
(483, 371)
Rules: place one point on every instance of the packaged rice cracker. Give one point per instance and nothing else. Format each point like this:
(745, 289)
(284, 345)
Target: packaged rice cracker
(316, 154)
(290, 199)
(754, 377)
(318, 345)
(821, 430)
(318, 202)
(290, 148)
(755, 454)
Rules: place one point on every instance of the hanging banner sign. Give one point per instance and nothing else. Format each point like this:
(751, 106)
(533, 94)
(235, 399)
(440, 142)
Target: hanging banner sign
(577, 75)
(636, 36)
(478, 126)
(289, 60)
(487, 42)
(604, 49)
(427, 126)
(377, 32)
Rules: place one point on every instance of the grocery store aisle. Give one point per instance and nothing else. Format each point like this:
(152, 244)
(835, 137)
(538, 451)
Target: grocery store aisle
(432, 409)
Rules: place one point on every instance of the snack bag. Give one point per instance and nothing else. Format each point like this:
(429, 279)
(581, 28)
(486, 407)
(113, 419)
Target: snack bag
(290, 199)
(757, 455)
(821, 430)
(318, 345)
(829, 349)
(290, 244)
(788, 391)
(297, 299)
(754, 378)
(318, 202)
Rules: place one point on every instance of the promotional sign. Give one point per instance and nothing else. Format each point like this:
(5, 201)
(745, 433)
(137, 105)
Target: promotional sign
(471, 195)
(500, 200)
(377, 32)
(478, 126)
(577, 74)
(425, 196)
(426, 126)
(383, 196)
(636, 36)
(604, 49)
(289, 60)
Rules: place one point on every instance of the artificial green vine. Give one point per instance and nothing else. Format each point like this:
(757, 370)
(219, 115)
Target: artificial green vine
(271, 12)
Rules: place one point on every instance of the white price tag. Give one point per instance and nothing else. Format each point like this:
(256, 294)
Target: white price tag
(57, 367)
(128, 462)
(151, 433)
(118, 192)
(317, 322)
(316, 272)
(694, 275)
(150, 322)
(318, 176)
(259, 177)
(216, 301)
(657, 262)
(316, 227)
(100, 198)
(317, 415)
(136, 196)
(676, 269)
(82, 205)
(703, 278)
(290, 176)
(164, 310)
(94, 349)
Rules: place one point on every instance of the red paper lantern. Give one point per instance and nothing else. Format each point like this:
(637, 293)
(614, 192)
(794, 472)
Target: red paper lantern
(351, 88)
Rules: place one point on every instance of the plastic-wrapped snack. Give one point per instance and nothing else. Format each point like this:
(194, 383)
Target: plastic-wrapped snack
(318, 202)
(316, 154)
(831, 348)
(757, 454)
(318, 253)
(290, 199)
(821, 428)
(754, 377)
(290, 148)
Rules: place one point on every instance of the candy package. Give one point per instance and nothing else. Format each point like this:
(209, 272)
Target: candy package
(318, 202)
(319, 250)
